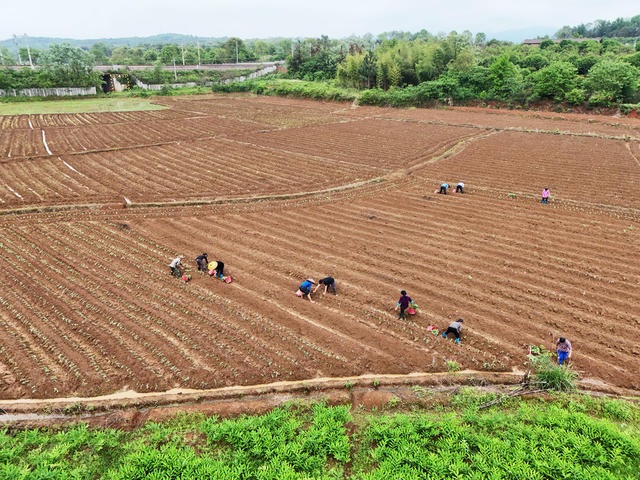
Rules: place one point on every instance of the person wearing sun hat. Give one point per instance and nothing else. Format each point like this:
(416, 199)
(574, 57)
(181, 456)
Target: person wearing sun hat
(216, 268)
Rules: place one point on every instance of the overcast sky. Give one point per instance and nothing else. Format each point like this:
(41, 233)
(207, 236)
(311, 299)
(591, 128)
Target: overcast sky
(292, 18)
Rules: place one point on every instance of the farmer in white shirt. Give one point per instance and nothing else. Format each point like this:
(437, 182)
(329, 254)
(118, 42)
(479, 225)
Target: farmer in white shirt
(460, 187)
(176, 265)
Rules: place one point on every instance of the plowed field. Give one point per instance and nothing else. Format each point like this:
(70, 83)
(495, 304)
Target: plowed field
(281, 190)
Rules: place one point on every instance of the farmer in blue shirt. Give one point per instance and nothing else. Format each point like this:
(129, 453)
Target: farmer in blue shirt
(443, 188)
(305, 288)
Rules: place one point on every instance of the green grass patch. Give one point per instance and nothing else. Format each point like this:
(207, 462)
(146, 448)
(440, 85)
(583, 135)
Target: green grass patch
(572, 436)
(110, 103)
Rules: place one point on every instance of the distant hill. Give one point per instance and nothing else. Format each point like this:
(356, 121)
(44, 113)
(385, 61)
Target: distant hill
(163, 38)
(519, 34)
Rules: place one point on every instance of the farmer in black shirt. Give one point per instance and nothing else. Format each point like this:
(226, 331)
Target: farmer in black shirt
(202, 262)
(403, 303)
(327, 282)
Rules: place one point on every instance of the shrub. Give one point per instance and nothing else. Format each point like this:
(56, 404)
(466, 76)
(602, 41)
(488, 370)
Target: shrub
(555, 80)
(548, 374)
(600, 100)
(453, 366)
(613, 80)
(575, 96)
(293, 88)
(374, 96)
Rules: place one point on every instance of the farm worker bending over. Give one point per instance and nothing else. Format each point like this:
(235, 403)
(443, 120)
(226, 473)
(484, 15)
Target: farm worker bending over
(460, 187)
(545, 195)
(564, 350)
(454, 328)
(305, 288)
(327, 282)
(218, 267)
(443, 188)
(403, 303)
(176, 266)
(202, 262)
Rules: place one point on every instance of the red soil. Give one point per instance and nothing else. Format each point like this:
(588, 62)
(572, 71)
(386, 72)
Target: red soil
(87, 306)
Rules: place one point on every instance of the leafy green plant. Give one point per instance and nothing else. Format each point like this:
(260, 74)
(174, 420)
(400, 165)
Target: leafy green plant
(393, 402)
(453, 366)
(548, 374)
(587, 437)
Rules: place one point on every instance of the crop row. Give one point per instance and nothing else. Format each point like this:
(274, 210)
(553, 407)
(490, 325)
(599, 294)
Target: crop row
(18, 143)
(211, 168)
(595, 171)
(376, 143)
(457, 255)
(273, 114)
(42, 120)
(579, 124)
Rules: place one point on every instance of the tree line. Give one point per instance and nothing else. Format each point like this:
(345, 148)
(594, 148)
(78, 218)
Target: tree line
(460, 67)
(182, 54)
(620, 27)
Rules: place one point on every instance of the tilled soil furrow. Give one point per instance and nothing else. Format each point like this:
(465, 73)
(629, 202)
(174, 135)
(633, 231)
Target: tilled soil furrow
(547, 306)
(354, 313)
(588, 248)
(69, 280)
(205, 310)
(342, 345)
(509, 244)
(284, 256)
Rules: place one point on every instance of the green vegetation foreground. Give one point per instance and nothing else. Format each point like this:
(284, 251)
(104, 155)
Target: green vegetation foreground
(570, 437)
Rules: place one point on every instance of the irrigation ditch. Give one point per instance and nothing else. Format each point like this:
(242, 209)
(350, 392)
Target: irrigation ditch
(128, 409)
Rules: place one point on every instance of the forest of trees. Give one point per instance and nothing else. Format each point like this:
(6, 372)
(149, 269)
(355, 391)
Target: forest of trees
(459, 67)
(620, 27)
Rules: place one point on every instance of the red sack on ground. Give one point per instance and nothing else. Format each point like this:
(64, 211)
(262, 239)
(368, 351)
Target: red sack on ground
(411, 311)
(186, 278)
(228, 279)
(212, 272)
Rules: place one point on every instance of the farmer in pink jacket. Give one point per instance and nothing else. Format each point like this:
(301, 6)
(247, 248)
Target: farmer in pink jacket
(545, 195)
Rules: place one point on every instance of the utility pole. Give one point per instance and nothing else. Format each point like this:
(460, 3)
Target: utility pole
(236, 51)
(15, 40)
(182, 48)
(26, 39)
(175, 73)
(198, 41)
